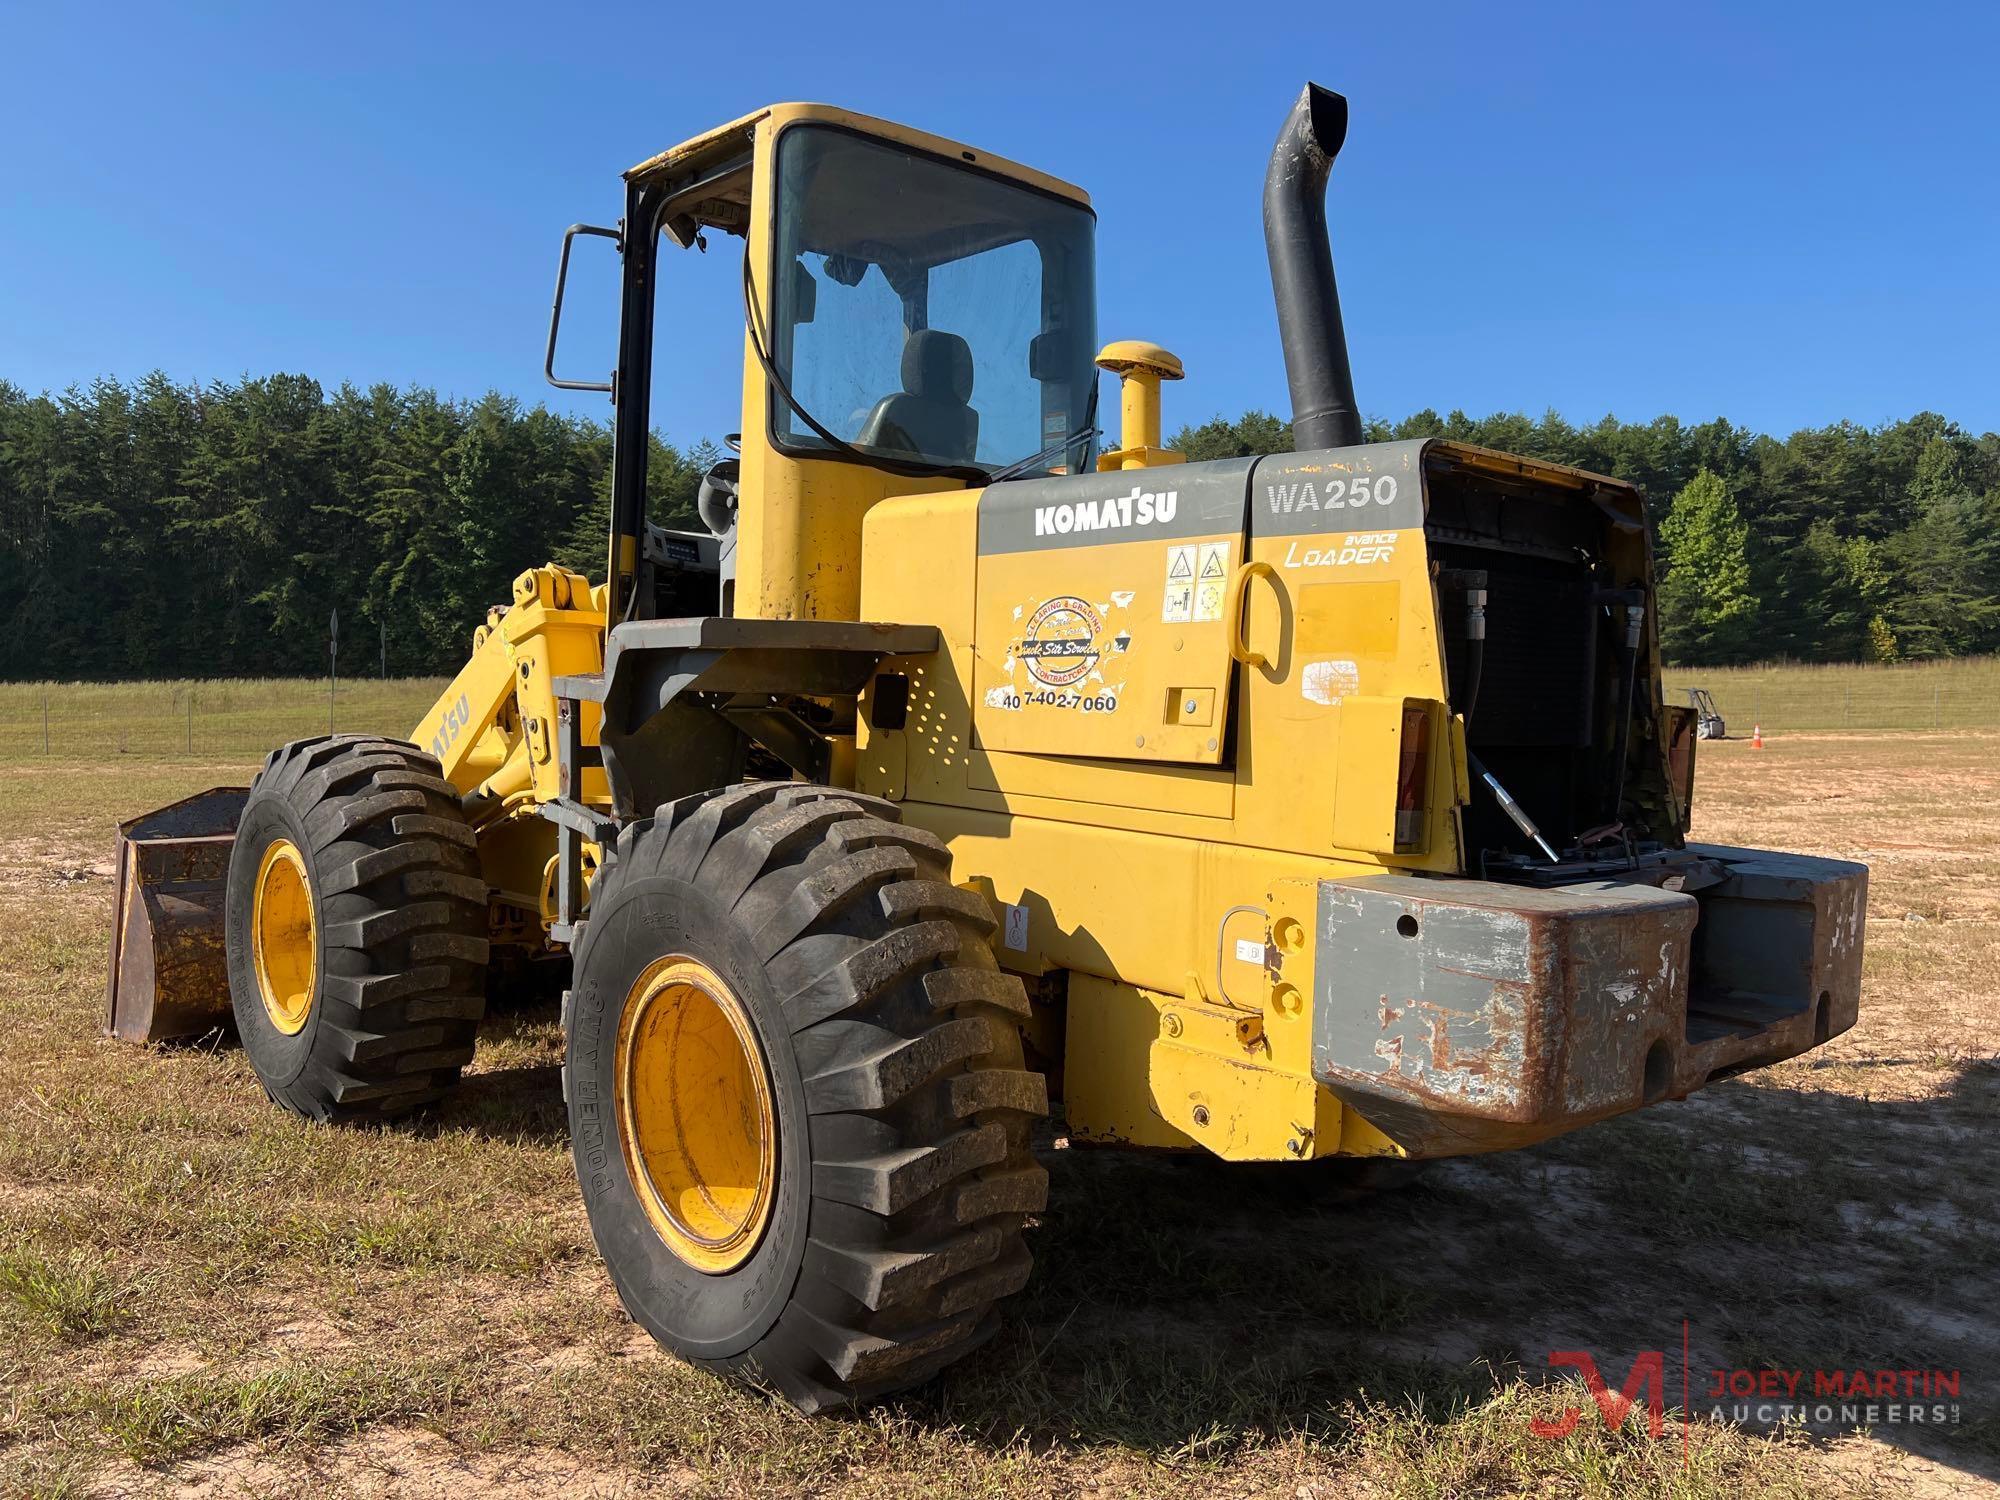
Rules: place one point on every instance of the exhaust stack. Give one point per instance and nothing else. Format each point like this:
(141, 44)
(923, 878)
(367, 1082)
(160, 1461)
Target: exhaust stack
(1323, 411)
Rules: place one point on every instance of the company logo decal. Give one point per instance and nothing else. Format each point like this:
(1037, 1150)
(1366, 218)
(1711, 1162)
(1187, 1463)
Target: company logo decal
(1060, 645)
(1112, 513)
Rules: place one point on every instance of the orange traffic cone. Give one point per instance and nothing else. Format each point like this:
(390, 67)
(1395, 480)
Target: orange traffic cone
(1756, 736)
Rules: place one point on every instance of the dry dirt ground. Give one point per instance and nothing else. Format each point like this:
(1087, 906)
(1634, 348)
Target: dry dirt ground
(200, 1296)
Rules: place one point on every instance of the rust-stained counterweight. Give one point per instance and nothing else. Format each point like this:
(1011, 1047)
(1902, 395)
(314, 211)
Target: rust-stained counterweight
(1467, 1015)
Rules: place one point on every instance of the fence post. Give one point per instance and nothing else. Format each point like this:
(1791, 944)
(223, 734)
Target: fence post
(332, 663)
(1937, 705)
(45, 721)
(190, 749)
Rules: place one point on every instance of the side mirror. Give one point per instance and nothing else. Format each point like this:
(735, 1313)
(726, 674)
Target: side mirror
(1049, 355)
(846, 269)
(805, 293)
(716, 501)
(555, 310)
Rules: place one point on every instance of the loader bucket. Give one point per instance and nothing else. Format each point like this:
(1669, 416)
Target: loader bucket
(169, 966)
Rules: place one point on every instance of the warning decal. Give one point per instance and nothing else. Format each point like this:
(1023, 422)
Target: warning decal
(1211, 581)
(1178, 606)
(1197, 580)
(1014, 930)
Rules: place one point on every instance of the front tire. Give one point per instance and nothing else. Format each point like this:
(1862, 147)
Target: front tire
(356, 922)
(796, 1094)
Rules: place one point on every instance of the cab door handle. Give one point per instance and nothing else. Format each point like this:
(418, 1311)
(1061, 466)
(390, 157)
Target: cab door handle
(1239, 585)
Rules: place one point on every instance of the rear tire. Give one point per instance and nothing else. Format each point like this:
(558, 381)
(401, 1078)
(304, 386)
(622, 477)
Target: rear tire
(356, 920)
(891, 1087)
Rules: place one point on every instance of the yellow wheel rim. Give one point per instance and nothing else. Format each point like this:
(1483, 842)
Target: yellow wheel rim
(694, 1113)
(284, 939)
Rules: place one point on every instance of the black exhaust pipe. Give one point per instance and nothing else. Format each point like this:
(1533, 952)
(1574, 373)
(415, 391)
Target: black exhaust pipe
(1323, 411)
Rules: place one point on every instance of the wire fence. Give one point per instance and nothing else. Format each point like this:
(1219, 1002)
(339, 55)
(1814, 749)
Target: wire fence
(242, 719)
(1941, 695)
(222, 720)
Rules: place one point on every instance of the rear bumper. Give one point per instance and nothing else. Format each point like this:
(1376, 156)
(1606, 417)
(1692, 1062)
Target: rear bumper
(1466, 1015)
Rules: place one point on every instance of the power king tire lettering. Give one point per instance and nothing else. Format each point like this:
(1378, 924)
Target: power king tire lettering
(586, 1021)
(1060, 647)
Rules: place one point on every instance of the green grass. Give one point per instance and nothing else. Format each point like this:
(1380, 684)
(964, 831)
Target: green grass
(1960, 694)
(52, 1473)
(1484, 1448)
(296, 1404)
(196, 1289)
(72, 1295)
(240, 717)
(243, 718)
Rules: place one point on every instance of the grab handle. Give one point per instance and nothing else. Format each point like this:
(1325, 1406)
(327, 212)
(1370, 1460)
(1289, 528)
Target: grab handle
(1239, 646)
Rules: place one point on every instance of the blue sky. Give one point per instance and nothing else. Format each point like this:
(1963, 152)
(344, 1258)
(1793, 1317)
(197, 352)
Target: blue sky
(1782, 214)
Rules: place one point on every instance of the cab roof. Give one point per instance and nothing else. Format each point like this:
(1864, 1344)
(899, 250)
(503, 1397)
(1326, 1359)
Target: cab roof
(715, 147)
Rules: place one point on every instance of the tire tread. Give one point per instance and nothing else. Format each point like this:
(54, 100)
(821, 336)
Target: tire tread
(402, 989)
(907, 1039)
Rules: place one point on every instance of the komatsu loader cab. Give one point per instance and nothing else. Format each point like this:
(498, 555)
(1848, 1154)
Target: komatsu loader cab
(966, 768)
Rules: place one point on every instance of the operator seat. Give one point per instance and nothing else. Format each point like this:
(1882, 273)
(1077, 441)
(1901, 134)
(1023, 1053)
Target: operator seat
(930, 417)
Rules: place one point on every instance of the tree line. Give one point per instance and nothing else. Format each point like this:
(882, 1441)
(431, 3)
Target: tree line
(158, 529)
(165, 530)
(1838, 543)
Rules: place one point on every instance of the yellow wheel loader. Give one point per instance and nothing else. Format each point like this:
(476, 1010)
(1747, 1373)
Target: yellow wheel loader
(1289, 809)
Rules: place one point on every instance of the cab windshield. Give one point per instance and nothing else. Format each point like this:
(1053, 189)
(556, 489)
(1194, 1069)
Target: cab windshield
(926, 312)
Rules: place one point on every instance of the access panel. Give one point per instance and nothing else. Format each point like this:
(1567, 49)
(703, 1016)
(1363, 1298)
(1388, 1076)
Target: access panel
(1341, 532)
(1099, 621)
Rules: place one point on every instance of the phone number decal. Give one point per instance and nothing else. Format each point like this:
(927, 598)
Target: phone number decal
(1089, 703)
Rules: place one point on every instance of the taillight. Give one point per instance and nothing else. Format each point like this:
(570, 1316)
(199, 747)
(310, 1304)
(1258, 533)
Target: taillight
(1413, 780)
